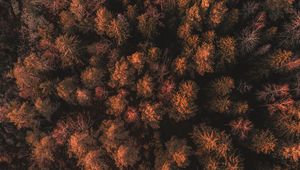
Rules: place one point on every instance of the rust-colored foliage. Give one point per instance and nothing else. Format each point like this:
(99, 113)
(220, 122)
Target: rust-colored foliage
(204, 59)
(264, 142)
(44, 152)
(149, 84)
(178, 151)
(241, 127)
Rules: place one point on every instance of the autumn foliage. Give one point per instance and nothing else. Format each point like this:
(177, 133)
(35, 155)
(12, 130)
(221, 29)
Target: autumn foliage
(149, 84)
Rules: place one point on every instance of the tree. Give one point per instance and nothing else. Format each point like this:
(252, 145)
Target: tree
(154, 53)
(209, 140)
(184, 107)
(291, 152)
(67, 46)
(183, 101)
(290, 36)
(121, 74)
(178, 151)
(189, 88)
(226, 52)
(100, 93)
(61, 132)
(77, 7)
(241, 127)
(114, 134)
(220, 104)
(205, 4)
(137, 59)
(26, 81)
(287, 121)
(23, 116)
(204, 59)
(248, 40)
(145, 86)
(214, 148)
(119, 29)
(65, 128)
(42, 64)
(191, 42)
(193, 16)
(211, 163)
(80, 143)
(44, 152)
(273, 92)
(180, 65)
(149, 22)
(84, 97)
(240, 107)
(116, 104)
(151, 114)
(163, 164)
(263, 141)
(222, 86)
(84, 9)
(167, 89)
(279, 59)
(220, 92)
(283, 105)
(132, 115)
(91, 77)
(102, 20)
(67, 20)
(127, 155)
(218, 10)
(233, 162)
(95, 160)
(209, 36)
(184, 31)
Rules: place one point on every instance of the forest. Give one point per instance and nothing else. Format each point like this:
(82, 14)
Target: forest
(149, 84)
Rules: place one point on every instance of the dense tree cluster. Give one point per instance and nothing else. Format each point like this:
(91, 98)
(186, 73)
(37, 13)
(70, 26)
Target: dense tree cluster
(149, 84)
